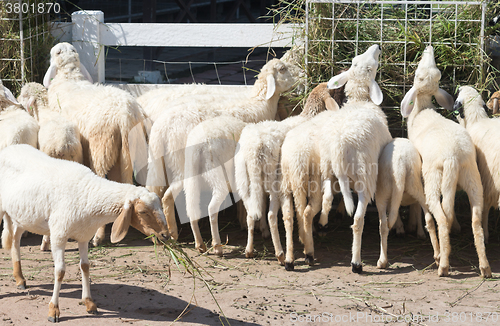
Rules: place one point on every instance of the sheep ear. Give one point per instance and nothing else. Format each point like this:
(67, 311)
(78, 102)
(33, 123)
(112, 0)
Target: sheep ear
(85, 73)
(331, 104)
(9, 96)
(30, 103)
(494, 105)
(444, 99)
(338, 81)
(49, 75)
(408, 102)
(376, 93)
(271, 86)
(121, 224)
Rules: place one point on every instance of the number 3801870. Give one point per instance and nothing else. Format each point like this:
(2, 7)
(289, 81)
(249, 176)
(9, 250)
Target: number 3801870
(17, 7)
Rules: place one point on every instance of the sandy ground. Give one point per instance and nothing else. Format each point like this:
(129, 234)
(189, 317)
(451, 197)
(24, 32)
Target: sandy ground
(133, 284)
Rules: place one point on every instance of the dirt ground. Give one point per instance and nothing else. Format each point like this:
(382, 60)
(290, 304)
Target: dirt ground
(133, 284)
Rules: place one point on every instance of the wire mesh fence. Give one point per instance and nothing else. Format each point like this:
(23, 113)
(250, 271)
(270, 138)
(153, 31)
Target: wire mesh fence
(338, 30)
(24, 35)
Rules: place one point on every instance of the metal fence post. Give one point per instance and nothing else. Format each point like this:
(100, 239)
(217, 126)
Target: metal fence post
(87, 41)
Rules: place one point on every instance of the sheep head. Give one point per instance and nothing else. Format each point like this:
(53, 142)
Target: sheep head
(64, 55)
(493, 103)
(426, 84)
(144, 214)
(320, 99)
(277, 77)
(32, 96)
(360, 78)
(294, 57)
(469, 106)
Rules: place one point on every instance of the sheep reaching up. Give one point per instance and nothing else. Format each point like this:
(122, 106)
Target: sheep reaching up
(484, 132)
(448, 159)
(65, 200)
(257, 164)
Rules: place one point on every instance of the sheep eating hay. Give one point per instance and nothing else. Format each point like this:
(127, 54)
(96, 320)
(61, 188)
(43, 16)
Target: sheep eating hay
(448, 159)
(64, 199)
(484, 133)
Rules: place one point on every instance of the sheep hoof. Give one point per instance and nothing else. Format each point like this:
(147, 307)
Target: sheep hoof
(310, 260)
(22, 286)
(249, 254)
(322, 230)
(289, 266)
(421, 235)
(281, 259)
(485, 272)
(443, 271)
(357, 268)
(218, 250)
(382, 264)
(90, 305)
(201, 248)
(266, 234)
(53, 319)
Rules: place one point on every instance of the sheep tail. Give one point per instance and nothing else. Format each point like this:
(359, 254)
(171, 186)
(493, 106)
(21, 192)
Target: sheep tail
(7, 232)
(346, 194)
(249, 184)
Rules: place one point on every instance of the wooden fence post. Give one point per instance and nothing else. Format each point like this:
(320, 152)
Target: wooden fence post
(86, 38)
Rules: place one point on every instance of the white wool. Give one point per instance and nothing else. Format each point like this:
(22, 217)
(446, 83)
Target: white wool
(65, 200)
(170, 131)
(484, 133)
(448, 160)
(399, 184)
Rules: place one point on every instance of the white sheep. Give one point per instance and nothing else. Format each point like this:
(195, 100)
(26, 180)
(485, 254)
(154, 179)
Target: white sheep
(105, 116)
(155, 101)
(57, 137)
(399, 183)
(346, 145)
(16, 125)
(170, 131)
(64, 199)
(209, 164)
(483, 131)
(257, 164)
(448, 159)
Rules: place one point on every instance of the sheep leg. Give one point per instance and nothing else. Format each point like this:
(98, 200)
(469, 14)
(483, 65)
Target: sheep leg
(326, 206)
(300, 206)
(59, 271)
(45, 243)
(16, 258)
(242, 214)
(431, 228)
(168, 202)
(470, 181)
(399, 226)
(83, 248)
(415, 220)
(287, 209)
(213, 213)
(357, 230)
(274, 202)
(384, 231)
(264, 228)
(486, 212)
(311, 210)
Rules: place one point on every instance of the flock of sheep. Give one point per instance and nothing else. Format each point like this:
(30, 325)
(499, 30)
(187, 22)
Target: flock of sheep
(92, 139)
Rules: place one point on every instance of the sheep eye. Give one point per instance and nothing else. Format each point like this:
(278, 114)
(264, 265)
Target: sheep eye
(282, 69)
(58, 51)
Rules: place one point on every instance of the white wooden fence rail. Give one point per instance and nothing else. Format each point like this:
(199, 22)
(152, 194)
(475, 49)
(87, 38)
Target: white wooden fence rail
(89, 34)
